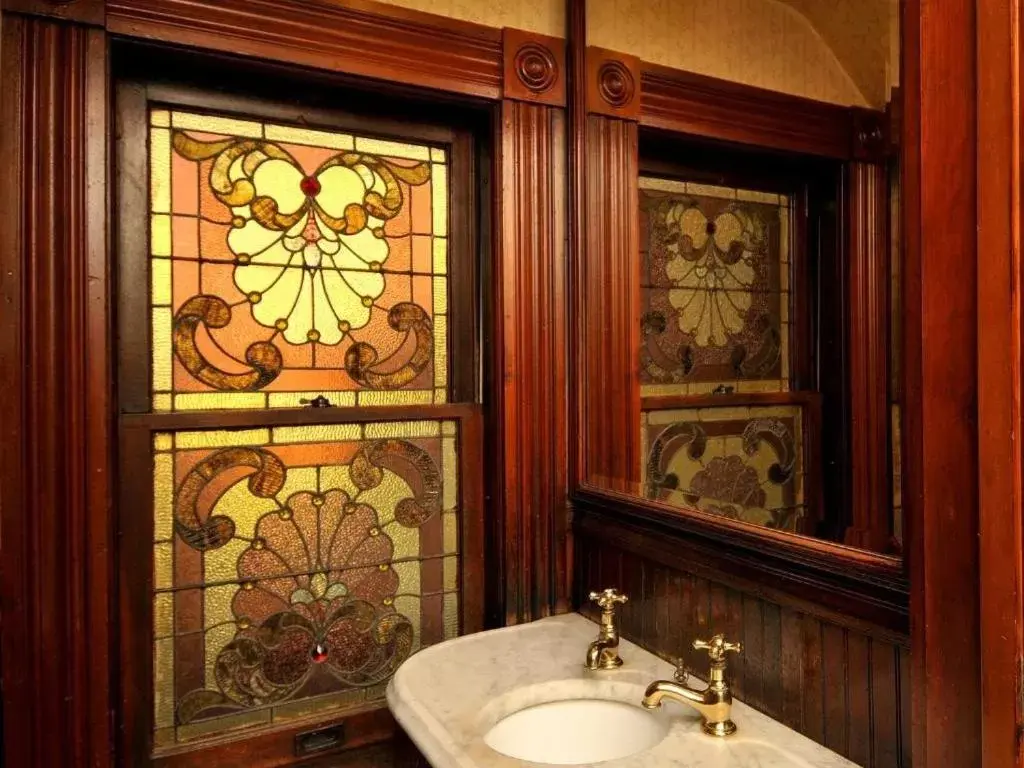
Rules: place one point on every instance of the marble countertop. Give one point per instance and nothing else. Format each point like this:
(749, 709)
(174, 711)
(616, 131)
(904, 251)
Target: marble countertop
(448, 696)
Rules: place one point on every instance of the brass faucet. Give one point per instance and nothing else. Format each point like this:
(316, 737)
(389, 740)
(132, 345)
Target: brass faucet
(714, 702)
(603, 653)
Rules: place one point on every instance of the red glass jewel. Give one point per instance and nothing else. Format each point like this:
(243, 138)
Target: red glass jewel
(310, 186)
(319, 653)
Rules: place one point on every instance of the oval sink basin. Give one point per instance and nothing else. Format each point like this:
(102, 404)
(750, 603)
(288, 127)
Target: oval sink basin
(576, 732)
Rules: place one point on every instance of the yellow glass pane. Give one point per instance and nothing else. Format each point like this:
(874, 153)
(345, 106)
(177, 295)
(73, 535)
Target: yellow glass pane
(213, 124)
(318, 434)
(441, 255)
(451, 616)
(451, 532)
(440, 350)
(160, 118)
(160, 235)
(440, 396)
(309, 137)
(439, 189)
(160, 170)
(385, 430)
(392, 149)
(440, 296)
(163, 683)
(438, 155)
(209, 401)
(160, 272)
(163, 566)
(394, 397)
(162, 401)
(450, 462)
(221, 438)
(451, 573)
(163, 614)
(161, 370)
(163, 495)
(163, 441)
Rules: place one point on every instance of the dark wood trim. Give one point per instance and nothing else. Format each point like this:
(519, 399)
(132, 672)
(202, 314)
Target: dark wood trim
(534, 68)
(409, 47)
(79, 11)
(55, 486)
(608, 296)
(529, 360)
(874, 588)
(576, 30)
(821, 591)
(1000, 376)
(664, 402)
(613, 83)
(940, 446)
(698, 105)
(868, 257)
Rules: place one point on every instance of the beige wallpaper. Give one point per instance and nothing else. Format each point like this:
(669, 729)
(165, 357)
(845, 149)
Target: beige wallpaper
(765, 43)
(543, 16)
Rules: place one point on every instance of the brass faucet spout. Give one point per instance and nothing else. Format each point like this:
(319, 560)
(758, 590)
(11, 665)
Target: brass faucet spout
(599, 650)
(714, 703)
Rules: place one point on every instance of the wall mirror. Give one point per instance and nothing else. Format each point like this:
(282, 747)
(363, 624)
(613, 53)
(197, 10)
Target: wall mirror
(741, 325)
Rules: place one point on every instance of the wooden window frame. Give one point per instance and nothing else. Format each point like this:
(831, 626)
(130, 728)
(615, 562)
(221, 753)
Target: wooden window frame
(137, 422)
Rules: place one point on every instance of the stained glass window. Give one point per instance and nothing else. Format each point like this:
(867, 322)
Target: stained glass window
(744, 463)
(288, 263)
(715, 288)
(296, 567)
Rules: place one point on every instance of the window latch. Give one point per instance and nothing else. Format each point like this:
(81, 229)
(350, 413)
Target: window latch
(317, 402)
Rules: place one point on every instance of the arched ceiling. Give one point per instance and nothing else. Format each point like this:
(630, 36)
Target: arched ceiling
(864, 35)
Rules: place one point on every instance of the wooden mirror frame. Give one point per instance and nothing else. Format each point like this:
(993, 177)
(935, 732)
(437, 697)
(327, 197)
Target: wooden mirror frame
(617, 97)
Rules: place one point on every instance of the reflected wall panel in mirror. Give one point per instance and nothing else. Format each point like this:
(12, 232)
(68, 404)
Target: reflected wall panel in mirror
(766, 266)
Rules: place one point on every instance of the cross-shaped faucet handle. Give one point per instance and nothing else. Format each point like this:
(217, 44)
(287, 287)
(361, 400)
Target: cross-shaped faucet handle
(717, 647)
(608, 598)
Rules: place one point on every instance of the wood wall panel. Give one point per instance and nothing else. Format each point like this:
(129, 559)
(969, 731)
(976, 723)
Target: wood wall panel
(867, 214)
(530, 364)
(359, 38)
(835, 684)
(608, 296)
(940, 368)
(55, 369)
(1000, 377)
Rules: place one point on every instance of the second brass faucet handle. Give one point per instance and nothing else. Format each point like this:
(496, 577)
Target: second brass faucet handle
(717, 647)
(608, 598)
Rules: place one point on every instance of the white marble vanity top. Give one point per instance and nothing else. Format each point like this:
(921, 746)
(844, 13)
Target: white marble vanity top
(448, 696)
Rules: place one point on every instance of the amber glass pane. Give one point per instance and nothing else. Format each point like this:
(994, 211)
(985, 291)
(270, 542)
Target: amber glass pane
(288, 263)
(744, 463)
(296, 567)
(715, 288)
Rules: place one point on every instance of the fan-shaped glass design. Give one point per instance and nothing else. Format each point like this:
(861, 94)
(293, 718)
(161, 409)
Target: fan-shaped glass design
(296, 567)
(715, 288)
(289, 262)
(746, 463)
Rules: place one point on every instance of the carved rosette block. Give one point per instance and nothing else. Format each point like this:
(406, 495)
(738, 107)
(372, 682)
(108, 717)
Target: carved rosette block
(534, 67)
(613, 84)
